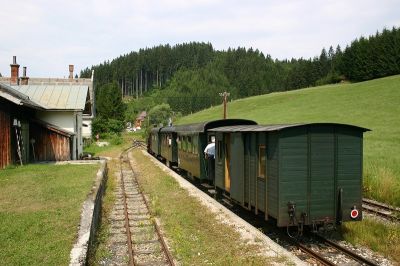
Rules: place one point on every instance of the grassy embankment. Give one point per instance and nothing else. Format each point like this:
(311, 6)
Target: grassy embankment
(195, 235)
(40, 209)
(373, 104)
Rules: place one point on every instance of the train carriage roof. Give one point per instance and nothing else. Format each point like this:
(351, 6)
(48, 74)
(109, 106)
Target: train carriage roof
(262, 128)
(155, 130)
(204, 126)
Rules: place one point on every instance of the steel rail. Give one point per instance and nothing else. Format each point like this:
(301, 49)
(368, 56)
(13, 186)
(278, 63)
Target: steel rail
(348, 252)
(381, 209)
(381, 205)
(314, 254)
(164, 246)
(128, 231)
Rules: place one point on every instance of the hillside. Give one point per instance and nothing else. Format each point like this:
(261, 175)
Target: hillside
(373, 104)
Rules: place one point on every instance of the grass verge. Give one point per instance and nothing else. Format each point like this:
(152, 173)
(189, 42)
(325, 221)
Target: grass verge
(99, 251)
(40, 209)
(196, 236)
(380, 237)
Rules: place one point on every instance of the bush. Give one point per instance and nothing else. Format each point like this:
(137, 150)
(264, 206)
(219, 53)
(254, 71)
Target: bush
(330, 78)
(102, 125)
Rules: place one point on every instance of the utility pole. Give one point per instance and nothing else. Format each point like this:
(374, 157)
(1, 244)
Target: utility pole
(225, 96)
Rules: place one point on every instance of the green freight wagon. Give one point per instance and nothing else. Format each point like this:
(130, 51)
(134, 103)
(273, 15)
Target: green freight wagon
(191, 142)
(298, 174)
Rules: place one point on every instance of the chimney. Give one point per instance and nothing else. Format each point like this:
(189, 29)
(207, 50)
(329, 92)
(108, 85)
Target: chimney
(24, 78)
(14, 72)
(71, 71)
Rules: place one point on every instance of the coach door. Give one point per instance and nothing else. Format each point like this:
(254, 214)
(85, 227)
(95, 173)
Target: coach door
(227, 149)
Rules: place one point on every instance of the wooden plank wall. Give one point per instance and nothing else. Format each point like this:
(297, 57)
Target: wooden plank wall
(49, 145)
(5, 139)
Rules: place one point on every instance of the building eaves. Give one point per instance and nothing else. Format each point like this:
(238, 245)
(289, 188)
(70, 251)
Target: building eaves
(17, 97)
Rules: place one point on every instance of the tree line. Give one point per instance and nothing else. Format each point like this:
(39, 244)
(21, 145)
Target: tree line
(189, 76)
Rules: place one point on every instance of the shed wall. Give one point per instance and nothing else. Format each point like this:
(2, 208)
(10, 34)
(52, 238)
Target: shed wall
(5, 139)
(49, 145)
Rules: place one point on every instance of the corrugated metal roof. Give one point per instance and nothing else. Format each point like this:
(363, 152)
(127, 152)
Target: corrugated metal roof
(258, 128)
(18, 97)
(56, 97)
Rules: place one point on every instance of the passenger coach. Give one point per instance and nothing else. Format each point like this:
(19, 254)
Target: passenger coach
(183, 145)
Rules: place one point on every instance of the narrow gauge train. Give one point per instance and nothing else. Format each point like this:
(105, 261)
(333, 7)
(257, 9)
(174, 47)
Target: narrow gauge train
(298, 174)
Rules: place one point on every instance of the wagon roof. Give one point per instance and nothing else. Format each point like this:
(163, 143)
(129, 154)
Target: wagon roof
(260, 128)
(155, 129)
(204, 126)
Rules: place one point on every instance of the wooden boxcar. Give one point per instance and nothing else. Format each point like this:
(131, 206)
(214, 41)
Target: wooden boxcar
(191, 141)
(306, 174)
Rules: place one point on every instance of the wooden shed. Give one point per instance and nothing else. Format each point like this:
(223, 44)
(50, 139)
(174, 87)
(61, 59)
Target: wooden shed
(16, 111)
(24, 138)
(317, 168)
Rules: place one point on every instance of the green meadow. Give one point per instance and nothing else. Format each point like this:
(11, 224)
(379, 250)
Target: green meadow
(40, 208)
(373, 104)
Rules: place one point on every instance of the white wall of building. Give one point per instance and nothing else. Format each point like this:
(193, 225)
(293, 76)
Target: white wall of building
(87, 130)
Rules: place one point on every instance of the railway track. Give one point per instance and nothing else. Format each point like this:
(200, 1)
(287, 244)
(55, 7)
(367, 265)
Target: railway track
(139, 237)
(380, 209)
(328, 252)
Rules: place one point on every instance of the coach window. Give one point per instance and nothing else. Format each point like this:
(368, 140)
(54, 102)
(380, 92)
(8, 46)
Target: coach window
(262, 162)
(189, 149)
(219, 154)
(194, 144)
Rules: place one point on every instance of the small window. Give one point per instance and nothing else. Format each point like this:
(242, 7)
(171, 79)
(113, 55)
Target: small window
(189, 147)
(185, 143)
(195, 144)
(219, 154)
(262, 162)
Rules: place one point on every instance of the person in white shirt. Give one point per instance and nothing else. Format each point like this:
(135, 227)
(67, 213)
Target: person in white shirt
(209, 154)
(209, 151)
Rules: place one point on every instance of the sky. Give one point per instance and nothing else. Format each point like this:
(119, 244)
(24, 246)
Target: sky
(48, 35)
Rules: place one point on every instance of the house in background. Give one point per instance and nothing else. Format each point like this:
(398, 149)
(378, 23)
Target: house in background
(52, 117)
(89, 107)
(25, 138)
(139, 119)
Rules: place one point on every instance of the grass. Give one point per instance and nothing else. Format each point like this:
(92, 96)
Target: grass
(373, 104)
(99, 250)
(196, 236)
(40, 211)
(115, 147)
(380, 237)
